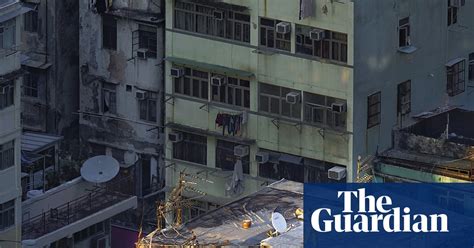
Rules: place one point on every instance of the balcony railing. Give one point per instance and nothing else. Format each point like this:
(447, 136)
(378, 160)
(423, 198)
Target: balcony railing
(72, 211)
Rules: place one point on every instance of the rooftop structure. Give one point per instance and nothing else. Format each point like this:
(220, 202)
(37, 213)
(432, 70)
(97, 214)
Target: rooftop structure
(223, 226)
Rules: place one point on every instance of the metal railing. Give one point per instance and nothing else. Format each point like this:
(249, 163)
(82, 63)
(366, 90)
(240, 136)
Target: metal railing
(79, 208)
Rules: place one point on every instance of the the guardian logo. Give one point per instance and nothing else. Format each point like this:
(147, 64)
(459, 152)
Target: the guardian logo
(375, 215)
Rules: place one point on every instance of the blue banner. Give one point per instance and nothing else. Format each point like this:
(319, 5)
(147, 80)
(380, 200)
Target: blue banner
(389, 215)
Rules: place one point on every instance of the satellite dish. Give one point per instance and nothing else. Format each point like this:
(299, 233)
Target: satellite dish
(279, 222)
(100, 169)
(130, 158)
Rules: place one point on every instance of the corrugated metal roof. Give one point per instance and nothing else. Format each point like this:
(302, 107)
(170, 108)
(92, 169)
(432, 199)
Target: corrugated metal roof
(36, 142)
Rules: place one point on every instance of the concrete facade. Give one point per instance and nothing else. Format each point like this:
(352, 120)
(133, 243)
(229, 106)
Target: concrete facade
(10, 131)
(50, 57)
(376, 61)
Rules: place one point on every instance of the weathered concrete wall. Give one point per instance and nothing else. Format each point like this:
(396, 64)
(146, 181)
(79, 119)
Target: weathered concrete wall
(123, 130)
(380, 67)
(55, 43)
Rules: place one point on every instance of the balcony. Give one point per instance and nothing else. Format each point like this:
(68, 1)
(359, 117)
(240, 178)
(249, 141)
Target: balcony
(71, 207)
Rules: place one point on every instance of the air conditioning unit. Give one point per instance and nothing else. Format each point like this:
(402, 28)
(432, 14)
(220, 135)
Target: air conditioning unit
(262, 157)
(241, 151)
(317, 34)
(456, 3)
(218, 15)
(177, 72)
(218, 80)
(142, 53)
(339, 107)
(140, 95)
(283, 27)
(337, 173)
(175, 137)
(293, 97)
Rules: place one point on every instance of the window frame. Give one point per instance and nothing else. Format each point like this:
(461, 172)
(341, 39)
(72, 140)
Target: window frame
(8, 98)
(186, 15)
(109, 89)
(456, 77)
(191, 142)
(192, 78)
(378, 112)
(318, 48)
(452, 14)
(151, 113)
(7, 155)
(148, 39)
(31, 21)
(404, 32)
(31, 83)
(7, 214)
(404, 98)
(225, 154)
(109, 32)
(281, 98)
(330, 118)
(8, 26)
(471, 67)
(230, 92)
(279, 41)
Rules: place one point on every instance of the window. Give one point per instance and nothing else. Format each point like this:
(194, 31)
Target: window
(147, 39)
(194, 83)
(30, 84)
(208, 20)
(452, 14)
(373, 109)
(332, 47)
(404, 32)
(89, 232)
(404, 98)
(7, 34)
(235, 92)
(456, 78)
(273, 101)
(225, 158)
(270, 38)
(148, 111)
(31, 21)
(7, 214)
(471, 67)
(7, 94)
(318, 110)
(7, 155)
(109, 32)
(109, 98)
(193, 148)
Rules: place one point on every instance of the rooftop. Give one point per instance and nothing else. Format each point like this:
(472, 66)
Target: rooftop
(222, 226)
(440, 143)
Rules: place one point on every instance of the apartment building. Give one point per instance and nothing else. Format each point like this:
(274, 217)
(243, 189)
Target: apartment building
(121, 87)
(50, 98)
(257, 91)
(10, 128)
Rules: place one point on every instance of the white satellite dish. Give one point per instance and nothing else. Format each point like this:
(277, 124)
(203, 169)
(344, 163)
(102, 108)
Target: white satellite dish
(100, 169)
(130, 158)
(279, 222)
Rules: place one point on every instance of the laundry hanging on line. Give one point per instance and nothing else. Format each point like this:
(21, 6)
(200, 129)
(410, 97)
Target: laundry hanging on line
(230, 123)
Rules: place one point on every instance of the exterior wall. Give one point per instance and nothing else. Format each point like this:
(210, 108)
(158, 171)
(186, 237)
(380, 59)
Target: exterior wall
(124, 130)
(10, 184)
(56, 44)
(280, 68)
(419, 176)
(380, 67)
